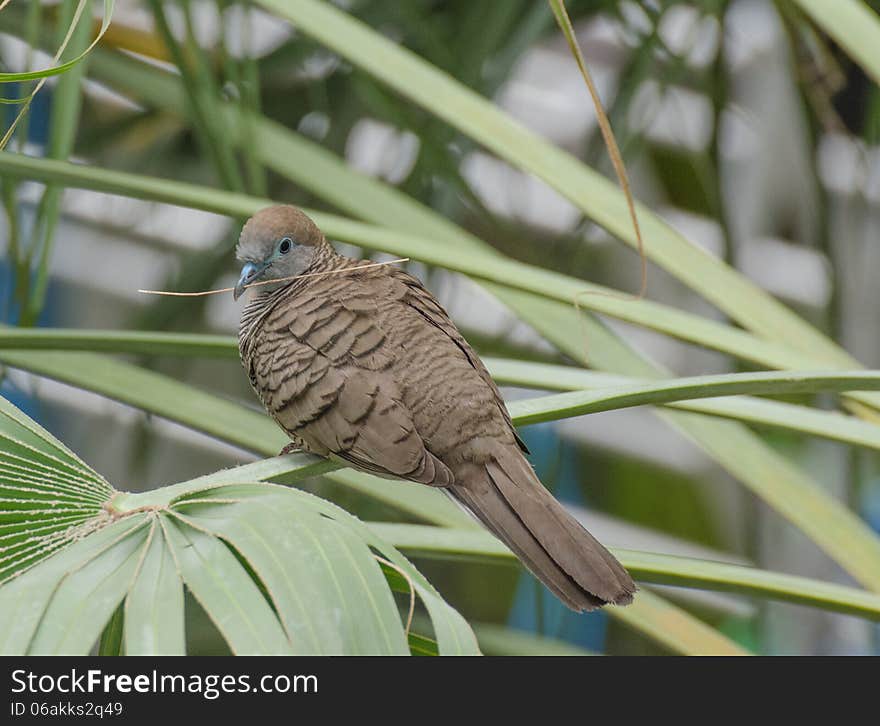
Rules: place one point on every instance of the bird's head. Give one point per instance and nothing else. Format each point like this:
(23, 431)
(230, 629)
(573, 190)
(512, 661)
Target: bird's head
(277, 242)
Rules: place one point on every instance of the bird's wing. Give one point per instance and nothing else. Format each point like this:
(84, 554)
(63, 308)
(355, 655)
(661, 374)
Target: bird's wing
(425, 304)
(322, 373)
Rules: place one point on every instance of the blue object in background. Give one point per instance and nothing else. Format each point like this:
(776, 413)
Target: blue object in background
(535, 608)
(870, 504)
(37, 120)
(37, 126)
(9, 315)
(9, 311)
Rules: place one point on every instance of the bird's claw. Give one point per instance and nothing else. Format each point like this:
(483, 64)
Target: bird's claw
(289, 449)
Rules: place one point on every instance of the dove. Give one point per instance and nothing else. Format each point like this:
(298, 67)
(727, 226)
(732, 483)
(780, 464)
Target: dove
(364, 366)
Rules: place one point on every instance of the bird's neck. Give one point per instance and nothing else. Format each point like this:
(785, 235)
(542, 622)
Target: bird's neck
(262, 299)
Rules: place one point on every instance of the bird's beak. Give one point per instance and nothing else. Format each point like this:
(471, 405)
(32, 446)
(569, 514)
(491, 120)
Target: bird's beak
(249, 272)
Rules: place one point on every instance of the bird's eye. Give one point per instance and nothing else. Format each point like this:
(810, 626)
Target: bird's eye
(285, 246)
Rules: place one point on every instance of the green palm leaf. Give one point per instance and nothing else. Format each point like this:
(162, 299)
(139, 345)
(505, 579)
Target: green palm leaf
(276, 570)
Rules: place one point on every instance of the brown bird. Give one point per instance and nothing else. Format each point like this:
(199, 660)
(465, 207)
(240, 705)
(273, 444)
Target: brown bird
(366, 366)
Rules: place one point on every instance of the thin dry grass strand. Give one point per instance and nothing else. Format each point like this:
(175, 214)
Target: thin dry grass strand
(562, 18)
(279, 279)
(561, 14)
(412, 591)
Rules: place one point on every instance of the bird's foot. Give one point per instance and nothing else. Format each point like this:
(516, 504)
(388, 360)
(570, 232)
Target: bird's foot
(289, 449)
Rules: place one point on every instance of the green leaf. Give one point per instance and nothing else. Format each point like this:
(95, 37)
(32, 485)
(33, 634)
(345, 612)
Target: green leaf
(48, 496)
(577, 403)
(653, 568)
(304, 559)
(776, 480)
(87, 597)
(500, 640)
(77, 26)
(802, 419)
(111, 639)
(171, 399)
(226, 420)
(290, 468)
(66, 66)
(504, 272)
(117, 182)
(689, 572)
(277, 570)
(15, 426)
(120, 341)
(853, 25)
(24, 599)
(63, 124)
(225, 590)
(426, 503)
(454, 636)
(420, 645)
(674, 628)
(597, 197)
(764, 471)
(154, 607)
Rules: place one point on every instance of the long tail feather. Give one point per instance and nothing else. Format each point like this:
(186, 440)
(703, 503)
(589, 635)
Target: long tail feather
(507, 497)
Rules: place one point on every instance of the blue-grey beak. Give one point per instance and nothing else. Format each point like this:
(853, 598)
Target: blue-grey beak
(249, 272)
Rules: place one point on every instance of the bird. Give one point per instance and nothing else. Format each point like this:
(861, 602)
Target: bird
(365, 366)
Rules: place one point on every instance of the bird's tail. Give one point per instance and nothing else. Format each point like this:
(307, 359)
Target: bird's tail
(507, 497)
